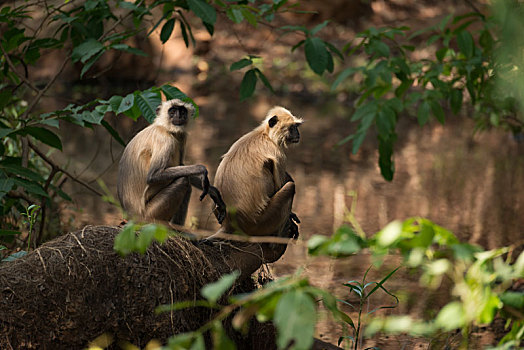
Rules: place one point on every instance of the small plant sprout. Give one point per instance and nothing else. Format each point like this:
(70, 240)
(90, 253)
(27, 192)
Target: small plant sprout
(359, 288)
(31, 213)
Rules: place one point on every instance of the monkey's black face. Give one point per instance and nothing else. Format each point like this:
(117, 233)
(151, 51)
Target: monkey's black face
(293, 135)
(178, 115)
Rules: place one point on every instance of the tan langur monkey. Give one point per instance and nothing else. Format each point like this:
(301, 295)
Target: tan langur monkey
(153, 182)
(253, 181)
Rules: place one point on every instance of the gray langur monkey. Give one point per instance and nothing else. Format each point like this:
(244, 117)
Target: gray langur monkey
(153, 182)
(253, 181)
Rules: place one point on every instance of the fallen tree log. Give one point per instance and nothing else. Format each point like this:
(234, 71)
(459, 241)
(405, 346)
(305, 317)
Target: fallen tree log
(76, 287)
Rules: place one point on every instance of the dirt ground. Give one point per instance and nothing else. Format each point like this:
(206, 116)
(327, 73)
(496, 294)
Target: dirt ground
(471, 183)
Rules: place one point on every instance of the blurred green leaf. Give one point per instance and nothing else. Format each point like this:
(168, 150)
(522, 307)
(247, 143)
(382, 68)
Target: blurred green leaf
(316, 54)
(451, 316)
(147, 102)
(125, 240)
(113, 132)
(203, 10)
(42, 134)
(465, 43)
(166, 31)
(247, 87)
(295, 319)
(423, 112)
(213, 291)
(15, 256)
(244, 62)
(455, 100)
(86, 50)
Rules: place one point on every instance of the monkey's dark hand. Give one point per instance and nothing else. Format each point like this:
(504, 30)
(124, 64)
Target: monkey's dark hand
(293, 227)
(220, 206)
(294, 217)
(205, 184)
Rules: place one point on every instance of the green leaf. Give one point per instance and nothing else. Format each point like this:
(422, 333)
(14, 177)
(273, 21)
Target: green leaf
(389, 234)
(183, 30)
(437, 110)
(127, 48)
(385, 120)
(364, 110)
(167, 29)
(465, 43)
(378, 47)
(172, 92)
(295, 318)
(244, 62)
(113, 132)
(235, 14)
(147, 102)
(115, 102)
(9, 233)
(316, 54)
(144, 239)
(125, 240)
(92, 117)
(203, 10)
(330, 64)
(343, 76)
(4, 132)
(403, 87)
(513, 299)
(44, 135)
(455, 100)
(319, 27)
(213, 291)
(441, 53)
(15, 256)
(220, 339)
(31, 187)
(19, 170)
(126, 104)
(362, 130)
(423, 112)
(249, 16)
(86, 50)
(6, 184)
(381, 283)
(6, 95)
(247, 87)
(264, 80)
(385, 160)
(486, 40)
(451, 316)
(90, 63)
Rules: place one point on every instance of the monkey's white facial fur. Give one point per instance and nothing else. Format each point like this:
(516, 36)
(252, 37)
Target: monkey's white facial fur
(282, 126)
(174, 114)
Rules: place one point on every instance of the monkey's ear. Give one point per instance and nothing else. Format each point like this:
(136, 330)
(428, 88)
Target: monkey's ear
(273, 121)
(158, 108)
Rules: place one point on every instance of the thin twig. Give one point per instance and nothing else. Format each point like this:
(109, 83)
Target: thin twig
(12, 66)
(50, 162)
(474, 7)
(233, 237)
(41, 92)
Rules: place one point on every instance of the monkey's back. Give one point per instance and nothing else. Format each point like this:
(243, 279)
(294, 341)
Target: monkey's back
(243, 178)
(135, 164)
